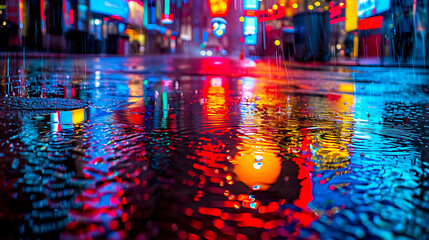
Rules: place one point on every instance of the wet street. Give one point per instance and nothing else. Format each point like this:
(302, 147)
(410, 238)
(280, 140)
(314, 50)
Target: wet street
(211, 148)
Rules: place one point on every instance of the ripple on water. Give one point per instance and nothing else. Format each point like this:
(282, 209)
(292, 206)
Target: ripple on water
(213, 157)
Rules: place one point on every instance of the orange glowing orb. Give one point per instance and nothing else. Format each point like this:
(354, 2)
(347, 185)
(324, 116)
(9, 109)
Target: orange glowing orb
(256, 168)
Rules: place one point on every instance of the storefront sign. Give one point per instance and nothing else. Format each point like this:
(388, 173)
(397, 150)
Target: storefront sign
(250, 30)
(371, 23)
(368, 8)
(266, 15)
(110, 7)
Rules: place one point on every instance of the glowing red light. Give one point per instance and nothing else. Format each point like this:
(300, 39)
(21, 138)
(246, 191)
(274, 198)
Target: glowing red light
(337, 20)
(117, 17)
(210, 211)
(371, 23)
(71, 17)
(42, 9)
(167, 18)
(335, 13)
(64, 8)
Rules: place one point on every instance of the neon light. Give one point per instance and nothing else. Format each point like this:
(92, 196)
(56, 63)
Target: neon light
(250, 13)
(204, 37)
(71, 17)
(351, 15)
(251, 4)
(337, 20)
(110, 7)
(21, 14)
(218, 8)
(167, 19)
(368, 8)
(160, 29)
(152, 14)
(167, 7)
(42, 10)
(121, 27)
(250, 40)
(117, 17)
(196, 35)
(371, 23)
(64, 7)
(164, 101)
(267, 14)
(145, 15)
(218, 26)
(335, 13)
(250, 22)
(335, 10)
(250, 26)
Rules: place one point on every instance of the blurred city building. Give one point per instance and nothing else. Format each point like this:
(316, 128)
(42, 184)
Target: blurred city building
(306, 30)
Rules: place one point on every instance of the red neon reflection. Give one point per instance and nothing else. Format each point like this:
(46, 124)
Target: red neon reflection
(371, 23)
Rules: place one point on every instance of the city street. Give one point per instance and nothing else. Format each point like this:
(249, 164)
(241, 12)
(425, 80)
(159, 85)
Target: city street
(175, 147)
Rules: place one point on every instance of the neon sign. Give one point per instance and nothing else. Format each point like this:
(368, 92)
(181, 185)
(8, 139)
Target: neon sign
(250, 23)
(218, 8)
(371, 23)
(251, 4)
(267, 14)
(336, 13)
(167, 18)
(351, 15)
(218, 26)
(250, 26)
(250, 30)
(368, 8)
(110, 7)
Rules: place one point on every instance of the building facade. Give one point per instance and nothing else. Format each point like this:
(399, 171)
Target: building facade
(96, 26)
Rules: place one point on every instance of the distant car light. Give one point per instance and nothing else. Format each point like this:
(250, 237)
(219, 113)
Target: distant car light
(203, 53)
